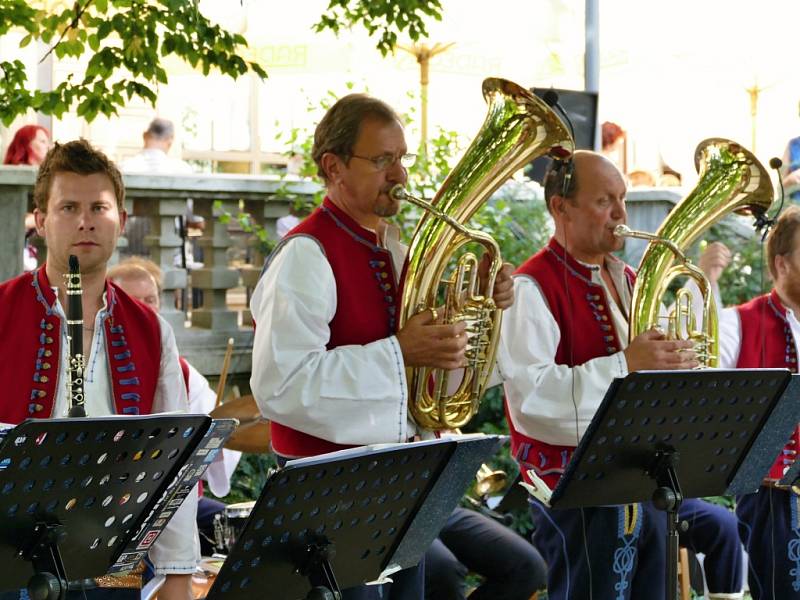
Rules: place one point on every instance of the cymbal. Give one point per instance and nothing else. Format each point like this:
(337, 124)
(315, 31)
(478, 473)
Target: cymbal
(252, 434)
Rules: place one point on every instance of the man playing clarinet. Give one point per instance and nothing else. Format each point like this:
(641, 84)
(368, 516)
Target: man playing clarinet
(131, 360)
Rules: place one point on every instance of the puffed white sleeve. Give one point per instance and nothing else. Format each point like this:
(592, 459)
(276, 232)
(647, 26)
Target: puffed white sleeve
(177, 549)
(353, 394)
(548, 401)
(730, 338)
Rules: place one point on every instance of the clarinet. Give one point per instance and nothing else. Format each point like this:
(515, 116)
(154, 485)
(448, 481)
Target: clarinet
(76, 361)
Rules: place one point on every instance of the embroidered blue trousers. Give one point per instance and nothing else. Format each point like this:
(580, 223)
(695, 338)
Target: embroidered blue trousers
(769, 528)
(606, 553)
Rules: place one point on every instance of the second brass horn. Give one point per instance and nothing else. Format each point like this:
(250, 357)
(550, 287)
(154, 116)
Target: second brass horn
(519, 127)
(731, 179)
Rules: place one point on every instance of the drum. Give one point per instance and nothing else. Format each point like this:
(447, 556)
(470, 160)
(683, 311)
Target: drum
(253, 434)
(229, 524)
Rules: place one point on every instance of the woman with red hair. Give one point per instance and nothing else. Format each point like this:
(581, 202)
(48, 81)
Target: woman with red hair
(29, 146)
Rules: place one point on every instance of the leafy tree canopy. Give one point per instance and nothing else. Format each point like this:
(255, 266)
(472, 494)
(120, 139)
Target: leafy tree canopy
(385, 18)
(126, 42)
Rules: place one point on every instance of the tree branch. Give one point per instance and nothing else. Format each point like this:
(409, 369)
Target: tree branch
(72, 25)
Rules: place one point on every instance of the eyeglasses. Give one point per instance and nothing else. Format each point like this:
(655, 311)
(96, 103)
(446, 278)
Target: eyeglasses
(386, 161)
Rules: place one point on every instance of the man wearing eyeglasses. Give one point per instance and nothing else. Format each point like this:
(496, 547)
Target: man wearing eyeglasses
(328, 358)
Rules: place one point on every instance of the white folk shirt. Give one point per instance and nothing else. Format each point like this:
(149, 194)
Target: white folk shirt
(202, 400)
(542, 396)
(348, 395)
(730, 325)
(178, 547)
(730, 335)
(155, 162)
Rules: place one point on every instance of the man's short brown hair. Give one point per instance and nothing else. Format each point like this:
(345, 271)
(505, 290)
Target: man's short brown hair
(338, 130)
(78, 157)
(781, 239)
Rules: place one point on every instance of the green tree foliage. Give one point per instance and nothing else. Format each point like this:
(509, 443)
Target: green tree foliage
(747, 276)
(126, 42)
(249, 477)
(386, 18)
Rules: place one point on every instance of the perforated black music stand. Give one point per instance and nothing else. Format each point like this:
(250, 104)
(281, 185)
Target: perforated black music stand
(669, 435)
(347, 518)
(75, 492)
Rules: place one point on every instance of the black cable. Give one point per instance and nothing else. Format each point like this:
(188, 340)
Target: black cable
(766, 223)
(567, 175)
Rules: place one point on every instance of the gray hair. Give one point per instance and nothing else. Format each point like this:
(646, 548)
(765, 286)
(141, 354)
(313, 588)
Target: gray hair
(161, 129)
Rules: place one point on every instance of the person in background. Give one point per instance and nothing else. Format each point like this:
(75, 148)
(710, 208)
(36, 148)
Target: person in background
(28, 147)
(153, 159)
(790, 171)
(511, 568)
(30, 253)
(613, 144)
(141, 279)
(297, 212)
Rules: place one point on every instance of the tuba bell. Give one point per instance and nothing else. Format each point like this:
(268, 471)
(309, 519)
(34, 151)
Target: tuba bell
(731, 180)
(519, 127)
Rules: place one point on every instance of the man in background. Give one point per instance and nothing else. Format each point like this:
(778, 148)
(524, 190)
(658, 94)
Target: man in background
(153, 159)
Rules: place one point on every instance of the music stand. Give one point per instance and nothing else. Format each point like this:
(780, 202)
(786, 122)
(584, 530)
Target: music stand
(75, 491)
(347, 518)
(668, 435)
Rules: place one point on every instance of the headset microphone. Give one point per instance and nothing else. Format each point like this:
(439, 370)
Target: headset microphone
(763, 221)
(550, 98)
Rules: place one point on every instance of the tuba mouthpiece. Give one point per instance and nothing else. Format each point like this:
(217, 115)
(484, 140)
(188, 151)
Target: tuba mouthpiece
(398, 192)
(621, 230)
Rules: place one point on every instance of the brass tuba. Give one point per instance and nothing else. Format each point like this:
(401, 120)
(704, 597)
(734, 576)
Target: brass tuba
(731, 180)
(518, 128)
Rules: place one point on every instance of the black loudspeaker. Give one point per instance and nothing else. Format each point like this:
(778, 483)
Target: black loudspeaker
(581, 107)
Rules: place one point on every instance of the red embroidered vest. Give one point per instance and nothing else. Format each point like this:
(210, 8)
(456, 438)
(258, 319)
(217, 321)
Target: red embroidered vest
(580, 307)
(366, 301)
(30, 350)
(767, 342)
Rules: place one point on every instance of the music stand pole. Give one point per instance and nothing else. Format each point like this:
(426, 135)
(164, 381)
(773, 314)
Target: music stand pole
(668, 497)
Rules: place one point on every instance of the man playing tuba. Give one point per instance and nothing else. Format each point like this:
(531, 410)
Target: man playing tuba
(562, 344)
(328, 358)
